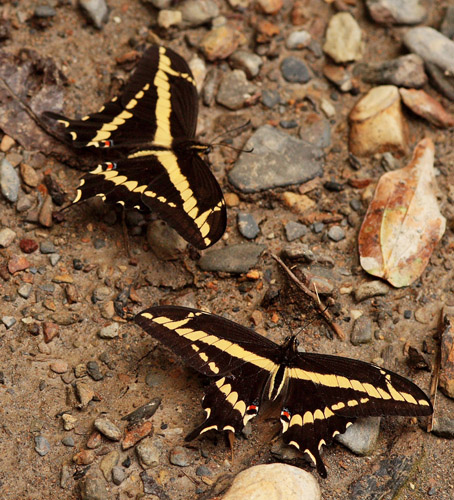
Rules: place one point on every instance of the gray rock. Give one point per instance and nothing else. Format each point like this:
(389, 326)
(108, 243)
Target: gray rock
(54, 259)
(96, 11)
(277, 160)
(108, 462)
(362, 331)
(47, 247)
(203, 471)
(343, 38)
(25, 290)
(447, 26)
(24, 203)
(295, 230)
(362, 436)
(7, 236)
(108, 429)
(405, 71)
(148, 452)
(274, 481)
(298, 40)
(168, 18)
(270, 98)
(118, 475)
(8, 321)
(109, 331)
(235, 90)
(9, 181)
(93, 488)
(42, 445)
(294, 70)
(101, 294)
(396, 11)
(316, 132)
(299, 251)
(442, 80)
(181, 456)
(68, 441)
(389, 162)
(371, 289)
(198, 12)
(336, 233)
(249, 62)
(160, 4)
(247, 225)
(232, 258)
(443, 427)
(432, 46)
(44, 11)
(94, 371)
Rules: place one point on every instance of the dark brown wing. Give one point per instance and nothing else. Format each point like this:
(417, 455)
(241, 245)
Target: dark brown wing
(326, 393)
(158, 105)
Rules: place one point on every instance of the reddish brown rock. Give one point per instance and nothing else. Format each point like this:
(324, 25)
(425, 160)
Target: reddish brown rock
(50, 330)
(134, 435)
(427, 107)
(16, 264)
(28, 246)
(270, 6)
(220, 42)
(84, 457)
(298, 15)
(266, 31)
(94, 440)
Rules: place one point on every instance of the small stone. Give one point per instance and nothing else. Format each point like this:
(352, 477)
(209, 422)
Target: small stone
(396, 11)
(69, 421)
(232, 258)
(447, 360)
(249, 62)
(148, 453)
(54, 259)
(371, 289)
(108, 310)
(109, 331)
(118, 475)
(340, 76)
(84, 393)
(16, 264)
(9, 181)
(343, 38)
(63, 278)
(8, 321)
(295, 230)
(25, 290)
(270, 6)
(137, 433)
(198, 12)
(362, 331)
(447, 26)
(44, 11)
(328, 108)
(266, 31)
(45, 214)
(96, 11)
(362, 436)
(294, 70)
(235, 91)
(68, 441)
(220, 42)
(24, 203)
(165, 242)
(427, 107)
(203, 471)
(247, 225)
(59, 366)
(95, 440)
(108, 429)
(29, 175)
(108, 463)
(94, 371)
(28, 245)
(443, 427)
(50, 330)
(231, 199)
(7, 236)
(47, 247)
(336, 233)
(6, 143)
(288, 124)
(42, 446)
(298, 40)
(270, 98)
(180, 456)
(84, 457)
(93, 488)
(316, 131)
(168, 18)
(199, 72)
(299, 203)
(80, 370)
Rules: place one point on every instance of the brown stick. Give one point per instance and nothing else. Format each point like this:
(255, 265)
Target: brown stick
(444, 324)
(315, 298)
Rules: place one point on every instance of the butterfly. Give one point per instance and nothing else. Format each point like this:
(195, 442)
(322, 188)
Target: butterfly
(154, 120)
(321, 395)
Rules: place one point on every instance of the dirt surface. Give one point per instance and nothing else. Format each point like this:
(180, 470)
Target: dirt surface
(135, 368)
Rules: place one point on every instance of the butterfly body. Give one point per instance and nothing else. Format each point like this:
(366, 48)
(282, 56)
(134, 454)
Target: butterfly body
(321, 394)
(164, 168)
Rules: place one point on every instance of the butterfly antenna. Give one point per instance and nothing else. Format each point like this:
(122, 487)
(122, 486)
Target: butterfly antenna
(225, 145)
(229, 131)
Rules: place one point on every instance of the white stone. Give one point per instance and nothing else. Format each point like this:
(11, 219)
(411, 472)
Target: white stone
(344, 38)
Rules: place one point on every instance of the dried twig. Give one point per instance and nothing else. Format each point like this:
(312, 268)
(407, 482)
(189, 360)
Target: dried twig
(314, 296)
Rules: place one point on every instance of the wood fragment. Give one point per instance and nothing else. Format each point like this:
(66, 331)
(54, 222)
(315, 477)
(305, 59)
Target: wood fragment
(443, 325)
(314, 297)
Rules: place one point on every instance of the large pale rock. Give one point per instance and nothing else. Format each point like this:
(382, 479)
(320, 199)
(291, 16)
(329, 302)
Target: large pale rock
(343, 38)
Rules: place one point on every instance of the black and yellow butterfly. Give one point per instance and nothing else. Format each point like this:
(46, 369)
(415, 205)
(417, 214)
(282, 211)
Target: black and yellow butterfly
(321, 394)
(155, 121)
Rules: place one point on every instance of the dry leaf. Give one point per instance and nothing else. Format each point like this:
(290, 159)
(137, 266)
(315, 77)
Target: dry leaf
(403, 223)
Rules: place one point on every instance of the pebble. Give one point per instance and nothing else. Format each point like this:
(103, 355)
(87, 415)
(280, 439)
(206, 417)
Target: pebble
(94, 371)
(432, 46)
(235, 90)
(95, 440)
(294, 70)
(299, 203)
(404, 71)
(203, 471)
(137, 433)
(109, 331)
(427, 107)
(28, 245)
(247, 225)
(24, 203)
(68, 441)
(50, 330)
(7, 236)
(198, 12)
(220, 42)
(118, 475)
(443, 427)
(59, 366)
(54, 259)
(442, 80)
(181, 456)
(25, 290)
(298, 40)
(371, 289)
(362, 436)
(93, 488)
(270, 6)
(148, 453)
(42, 445)
(161, 4)
(327, 107)
(447, 26)
(247, 61)
(362, 331)
(165, 242)
(231, 199)
(69, 421)
(8, 321)
(101, 294)
(96, 11)
(274, 482)
(343, 38)
(108, 429)
(44, 11)
(9, 181)
(336, 233)
(168, 18)
(108, 463)
(288, 124)
(265, 32)
(6, 143)
(47, 247)
(16, 264)
(199, 72)
(340, 76)
(232, 259)
(278, 159)
(29, 175)
(295, 230)
(396, 11)
(316, 131)
(270, 98)
(45, 214)
(84, 393)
